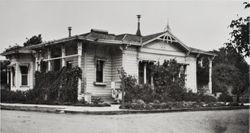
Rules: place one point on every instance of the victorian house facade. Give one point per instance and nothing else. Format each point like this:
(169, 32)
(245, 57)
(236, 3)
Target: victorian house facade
(100, 55)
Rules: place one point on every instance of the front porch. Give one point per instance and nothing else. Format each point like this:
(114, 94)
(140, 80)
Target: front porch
(99, 63)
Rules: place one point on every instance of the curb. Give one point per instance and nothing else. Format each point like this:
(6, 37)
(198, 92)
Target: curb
(33, 109)
(120, 112)
(156, 111)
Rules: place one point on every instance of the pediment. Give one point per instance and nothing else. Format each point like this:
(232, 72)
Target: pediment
(165, 41)
(162, 45)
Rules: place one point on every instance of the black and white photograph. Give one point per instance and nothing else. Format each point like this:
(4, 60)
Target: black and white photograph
(124, 66)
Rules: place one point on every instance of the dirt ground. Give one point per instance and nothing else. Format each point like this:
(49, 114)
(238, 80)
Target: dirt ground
(233, 121)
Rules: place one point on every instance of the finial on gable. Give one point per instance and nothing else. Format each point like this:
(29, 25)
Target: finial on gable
(167, 28)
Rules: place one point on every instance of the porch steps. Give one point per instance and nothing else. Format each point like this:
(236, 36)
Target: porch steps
(105, 99)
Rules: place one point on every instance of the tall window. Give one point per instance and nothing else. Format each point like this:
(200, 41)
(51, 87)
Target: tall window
(24, 73)
(141, 73)
(99, 70)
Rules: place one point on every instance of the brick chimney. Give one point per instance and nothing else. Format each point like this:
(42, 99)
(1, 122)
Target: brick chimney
(69, 28)
(138, 32)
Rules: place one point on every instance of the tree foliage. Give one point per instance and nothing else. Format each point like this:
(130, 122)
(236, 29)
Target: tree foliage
(228, 68)
(225, 76)
(33, 40)
(240, 34)
(229, 56)
(169, 80)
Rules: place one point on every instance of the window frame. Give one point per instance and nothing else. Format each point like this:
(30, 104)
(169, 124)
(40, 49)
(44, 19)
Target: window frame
(102, 62)
(24, 74)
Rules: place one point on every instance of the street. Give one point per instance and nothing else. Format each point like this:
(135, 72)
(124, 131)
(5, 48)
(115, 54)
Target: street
(233, 121)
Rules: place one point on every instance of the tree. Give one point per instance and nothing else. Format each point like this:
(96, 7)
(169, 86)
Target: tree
(230, 56)
(33, 40)
(227, 76)
(227, 60)
(240, 34)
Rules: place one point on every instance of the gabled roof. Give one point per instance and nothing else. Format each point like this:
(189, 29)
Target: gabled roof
(199, 51)
(130, 38)
(151, 36)
(101, 36)
(19, 50)
(166, 34)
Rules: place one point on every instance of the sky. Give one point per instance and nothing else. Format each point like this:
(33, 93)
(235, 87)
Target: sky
(201, 24)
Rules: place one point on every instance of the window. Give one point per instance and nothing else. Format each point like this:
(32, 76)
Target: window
(99, 70)
(24, 73)
(141, 73)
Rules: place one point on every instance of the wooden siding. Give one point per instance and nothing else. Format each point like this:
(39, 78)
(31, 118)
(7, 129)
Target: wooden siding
(83, 67)
(130, 61)
(191, 79)
(116, 64)
(94, 51)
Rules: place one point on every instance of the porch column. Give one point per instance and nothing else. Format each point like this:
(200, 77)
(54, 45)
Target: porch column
(145, 73)
(49, 61)
(36, 62)
(11, 78)
(7, 70)
(63, 55)
(210, 76)
(152, 81)
(79, 53)
(16, 78)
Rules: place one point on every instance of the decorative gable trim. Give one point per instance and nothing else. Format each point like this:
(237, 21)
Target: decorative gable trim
(167, 37)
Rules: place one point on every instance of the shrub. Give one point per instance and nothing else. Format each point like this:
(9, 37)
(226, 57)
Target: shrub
(13, 96)
(168, 81)
(225, 98)
(208, 99)
(50, 87)
(190, 96)
(5, 95)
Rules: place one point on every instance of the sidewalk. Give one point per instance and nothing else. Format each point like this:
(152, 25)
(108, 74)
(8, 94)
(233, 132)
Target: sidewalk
(111, 110)
(61, 108)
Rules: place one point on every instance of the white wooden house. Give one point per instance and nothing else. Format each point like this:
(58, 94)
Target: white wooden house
(100, 55)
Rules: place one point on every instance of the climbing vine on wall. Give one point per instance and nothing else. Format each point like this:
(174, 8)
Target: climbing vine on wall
(58, 86)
